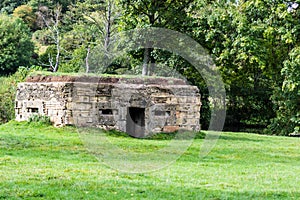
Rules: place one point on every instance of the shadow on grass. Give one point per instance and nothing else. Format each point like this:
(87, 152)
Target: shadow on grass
(115, 133)
(171, 136)
(155, 136)
(238, 138)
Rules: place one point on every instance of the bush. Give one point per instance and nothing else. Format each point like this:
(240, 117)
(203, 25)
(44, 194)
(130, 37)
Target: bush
(7, 100)
(39, 119)
(8, 92)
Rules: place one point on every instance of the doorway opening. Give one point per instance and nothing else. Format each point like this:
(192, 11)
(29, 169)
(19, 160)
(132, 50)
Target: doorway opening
(135, 122)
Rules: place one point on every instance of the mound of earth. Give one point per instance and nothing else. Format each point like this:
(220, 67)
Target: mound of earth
(106, 79)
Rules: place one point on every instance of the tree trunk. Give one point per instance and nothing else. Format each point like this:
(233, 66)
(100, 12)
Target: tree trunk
(151, 67)
(149, 61)
(58, 51)
(146, 61)
(108, 26)
(87, 67)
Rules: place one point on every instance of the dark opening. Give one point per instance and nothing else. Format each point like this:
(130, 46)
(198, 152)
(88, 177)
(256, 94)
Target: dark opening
(106, 111)
(168, 113)
(162, 113)
(32, 110)
(135, 123)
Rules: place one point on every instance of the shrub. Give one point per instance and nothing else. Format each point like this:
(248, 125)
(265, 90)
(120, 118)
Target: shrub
(39, 119)
(8, 92)
(7, 100)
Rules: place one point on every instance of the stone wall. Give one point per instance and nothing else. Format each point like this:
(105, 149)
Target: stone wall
(138, 107)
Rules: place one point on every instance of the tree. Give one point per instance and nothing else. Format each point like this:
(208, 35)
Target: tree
(15, 44)
(165, 13)
(287, 98)
(92, 23)
(51, 20)
(51, 4)
(250, 41)
(26, 13)
(7, 6)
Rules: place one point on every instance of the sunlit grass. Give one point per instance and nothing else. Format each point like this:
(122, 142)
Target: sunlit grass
(44, 162)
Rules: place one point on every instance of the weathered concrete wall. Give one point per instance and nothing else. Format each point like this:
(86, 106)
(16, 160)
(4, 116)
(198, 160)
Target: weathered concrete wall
(132, 106)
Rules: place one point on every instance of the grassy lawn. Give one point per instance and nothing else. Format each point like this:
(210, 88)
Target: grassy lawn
(43, 162)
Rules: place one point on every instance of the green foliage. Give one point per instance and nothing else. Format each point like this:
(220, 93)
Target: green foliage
(287, 98)
(167, 14)
(7, 6)
(15, 44)
(254, 44)
(42, 37)
(8, 91)
(51, 3)
(26, 13)
(250, 41)
(50, 52)
(77, 63)
(38, 119)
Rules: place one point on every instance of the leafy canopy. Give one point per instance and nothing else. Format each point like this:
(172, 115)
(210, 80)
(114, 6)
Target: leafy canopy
(15, 44)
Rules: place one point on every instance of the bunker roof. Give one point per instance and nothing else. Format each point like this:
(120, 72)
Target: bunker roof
(113, 79)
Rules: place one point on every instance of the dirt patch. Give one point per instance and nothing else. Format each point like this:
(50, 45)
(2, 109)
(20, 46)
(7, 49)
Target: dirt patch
(99, 79)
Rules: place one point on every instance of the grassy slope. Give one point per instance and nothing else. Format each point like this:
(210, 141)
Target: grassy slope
(52, 163)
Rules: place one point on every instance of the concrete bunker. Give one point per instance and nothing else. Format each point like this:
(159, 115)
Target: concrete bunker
(138, 106)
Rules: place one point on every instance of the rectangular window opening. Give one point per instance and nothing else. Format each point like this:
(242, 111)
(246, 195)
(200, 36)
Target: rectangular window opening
(162, 113)
(33, 110)
(159, 113)
(106, 111)
(168, 113)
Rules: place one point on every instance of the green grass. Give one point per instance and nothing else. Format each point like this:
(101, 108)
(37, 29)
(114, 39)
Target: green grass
(43, 162)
